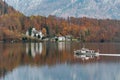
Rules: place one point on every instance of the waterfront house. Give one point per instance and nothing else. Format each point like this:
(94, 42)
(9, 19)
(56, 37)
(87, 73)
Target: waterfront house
(61, 38)
(34, 33)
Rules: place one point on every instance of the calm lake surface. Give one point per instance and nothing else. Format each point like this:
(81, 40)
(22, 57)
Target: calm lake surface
(56, 61)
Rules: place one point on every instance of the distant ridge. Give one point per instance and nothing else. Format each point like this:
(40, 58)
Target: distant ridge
(101, 9)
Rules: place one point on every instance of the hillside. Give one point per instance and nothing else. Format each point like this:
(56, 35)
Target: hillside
(13, 25)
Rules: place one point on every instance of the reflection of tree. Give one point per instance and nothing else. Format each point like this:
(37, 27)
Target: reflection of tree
(47, 48)
(10, 57)
(14, 55)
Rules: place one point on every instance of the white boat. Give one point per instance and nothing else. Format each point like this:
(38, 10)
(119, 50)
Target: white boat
(85, 53)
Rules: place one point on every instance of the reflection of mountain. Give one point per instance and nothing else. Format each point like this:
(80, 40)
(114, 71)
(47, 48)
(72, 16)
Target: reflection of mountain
(95, 71)
(14, 55)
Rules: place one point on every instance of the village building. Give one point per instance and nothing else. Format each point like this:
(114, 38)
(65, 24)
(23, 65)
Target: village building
(35, 33)
(61, 38)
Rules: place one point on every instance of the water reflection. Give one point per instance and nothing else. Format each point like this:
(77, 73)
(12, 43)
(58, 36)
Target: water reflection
(86, 57)
(33, 49)
(61, 46)
(51, 57)
(95, 71)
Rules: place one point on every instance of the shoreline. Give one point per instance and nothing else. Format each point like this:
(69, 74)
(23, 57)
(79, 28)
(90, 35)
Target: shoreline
(31, 41)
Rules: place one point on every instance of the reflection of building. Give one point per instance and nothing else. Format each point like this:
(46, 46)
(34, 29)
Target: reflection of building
(65, 46)
(33, 48)
(61, 46)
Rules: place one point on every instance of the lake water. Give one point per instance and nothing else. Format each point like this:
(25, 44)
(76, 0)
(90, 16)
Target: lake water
(56, 61)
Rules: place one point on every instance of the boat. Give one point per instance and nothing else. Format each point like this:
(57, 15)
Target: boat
(85, 53)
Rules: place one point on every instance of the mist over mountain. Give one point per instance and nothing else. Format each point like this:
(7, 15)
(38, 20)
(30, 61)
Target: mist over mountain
(64, 8)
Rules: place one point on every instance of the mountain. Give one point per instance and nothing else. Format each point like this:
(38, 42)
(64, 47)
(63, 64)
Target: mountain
(5, 8)
(64, 8)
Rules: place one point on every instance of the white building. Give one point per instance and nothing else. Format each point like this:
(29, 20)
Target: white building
(35, 33)
(27, 33)
(61, 38)
(39, 34)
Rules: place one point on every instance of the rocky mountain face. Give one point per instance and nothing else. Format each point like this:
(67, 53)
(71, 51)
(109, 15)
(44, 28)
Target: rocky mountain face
(5, 8)
(64, 8)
